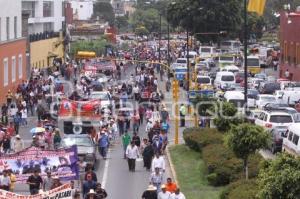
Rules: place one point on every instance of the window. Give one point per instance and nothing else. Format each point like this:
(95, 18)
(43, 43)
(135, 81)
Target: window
(7, 28)
(13, 69)
(48, 9)
(281, 119)
(20, 66)
(5, 67)
(290, 136)
(295, 139)
(0, 29)
(15, 27)
(48, 26)
(261, 116)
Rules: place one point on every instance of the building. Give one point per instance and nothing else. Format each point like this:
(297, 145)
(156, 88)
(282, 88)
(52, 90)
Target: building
(290, 44)
(45, 15)
(122, 7)
(12, 47)
(82, 9)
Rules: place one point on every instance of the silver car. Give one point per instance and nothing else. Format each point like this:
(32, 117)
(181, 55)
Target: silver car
(86, 147)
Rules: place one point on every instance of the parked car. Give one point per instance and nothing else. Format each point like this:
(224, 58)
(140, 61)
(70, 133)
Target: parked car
(104, 97)
(268, 87)
(271, 119)
(86, 147)
(264, 99)
(291, 141)
(277, 135)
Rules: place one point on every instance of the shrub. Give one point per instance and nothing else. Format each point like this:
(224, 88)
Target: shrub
(197, 138)
(246, 189)
(223, 167)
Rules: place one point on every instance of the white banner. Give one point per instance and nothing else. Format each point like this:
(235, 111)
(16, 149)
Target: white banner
(62, 192)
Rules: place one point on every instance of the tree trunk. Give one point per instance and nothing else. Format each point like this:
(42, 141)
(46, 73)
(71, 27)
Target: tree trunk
(246, 167)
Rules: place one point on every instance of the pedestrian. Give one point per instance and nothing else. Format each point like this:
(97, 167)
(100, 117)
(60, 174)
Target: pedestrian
(100, 192)
(88, 185)
(56, 182)
(47, 182)
(164, 194)
(177, 194)
(136, 121)
(150, 193)
(5, 181)
(17, 120)
(170, 186)
(24, 116)
(157, 144)
(158, 162)
(12, 177)
(56, 139)
(182, 111)
(132, 153)
(103, 144)
(156, 179)
(6, 144)
(136, 139)
(91, 194)
(141, 113)
(148, 154)
(35, 182)
(164, 114)
(287, 74)
(126, 139)
(90, 172)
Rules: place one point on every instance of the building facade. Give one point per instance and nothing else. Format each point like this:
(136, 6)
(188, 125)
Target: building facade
(290, 45)
(45, 15)
(12, 48)
(82, 9)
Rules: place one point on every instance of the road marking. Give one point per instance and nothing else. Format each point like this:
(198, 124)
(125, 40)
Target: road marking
(105, 172)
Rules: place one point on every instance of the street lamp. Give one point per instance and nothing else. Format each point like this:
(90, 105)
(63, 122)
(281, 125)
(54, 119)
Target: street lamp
(159, 55)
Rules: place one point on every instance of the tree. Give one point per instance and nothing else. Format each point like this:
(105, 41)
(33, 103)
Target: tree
(244, 140)
(121, 23)
(98, 46)
(280, 178)
(225, 114)
(104, 11)
(141, 31)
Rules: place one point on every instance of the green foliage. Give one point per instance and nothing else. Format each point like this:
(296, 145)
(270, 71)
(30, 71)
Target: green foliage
(245, 139)
(245, 189)
(104, 11)
(223, 167)
(280, 179)
(141, 31)
(97, 46)
(122, 23)
(203, 104)
(197, 138)
(225, 116)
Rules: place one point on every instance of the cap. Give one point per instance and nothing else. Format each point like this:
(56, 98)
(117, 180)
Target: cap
(163, 186)
(18, 136)
(151, 188)
(92, 191)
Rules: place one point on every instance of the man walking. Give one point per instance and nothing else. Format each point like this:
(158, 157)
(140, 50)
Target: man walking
(35, 183)
(103, 144)
(125, 141)
(178, 194)
(182, 111)
(164, 194)
(132, 153)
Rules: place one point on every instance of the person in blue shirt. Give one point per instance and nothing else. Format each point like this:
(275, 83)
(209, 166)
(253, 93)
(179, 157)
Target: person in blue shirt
(103, 144)
(165, 127)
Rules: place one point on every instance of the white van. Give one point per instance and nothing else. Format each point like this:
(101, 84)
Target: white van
(223, 79)
(192, 56)
(237, 98)
(207, 51)
(291, 140)
(290, 97)
(231, 68)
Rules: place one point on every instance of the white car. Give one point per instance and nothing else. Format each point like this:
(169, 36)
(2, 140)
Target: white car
(271, 119)
(264, 99)
(104, 97)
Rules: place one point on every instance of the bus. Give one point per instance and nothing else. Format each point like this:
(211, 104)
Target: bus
(231, 46)
(253, 63)
(224, 60)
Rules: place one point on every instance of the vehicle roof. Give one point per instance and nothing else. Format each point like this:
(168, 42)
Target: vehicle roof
(278, 113)
(225, 73)
(253, 56)
(295, 127)
(234, 94)
(231, 67)
(203, 76)
(99, 92)
(265, 95)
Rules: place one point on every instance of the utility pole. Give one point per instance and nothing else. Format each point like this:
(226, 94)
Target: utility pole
(188, 60)
(159, 55)
(245, 53)
(175, 87)
(168, 45)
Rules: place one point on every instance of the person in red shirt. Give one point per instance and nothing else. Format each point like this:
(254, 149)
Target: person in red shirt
(170, 186)
(10, 130)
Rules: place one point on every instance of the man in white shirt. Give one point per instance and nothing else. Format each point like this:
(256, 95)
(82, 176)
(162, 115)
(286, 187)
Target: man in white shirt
(132, 153)
(164, 194)
(158, 162)
(5, 181)
(177, 195)
(136, 92)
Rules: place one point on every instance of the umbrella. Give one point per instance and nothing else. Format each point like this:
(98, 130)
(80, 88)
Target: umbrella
(37, 130)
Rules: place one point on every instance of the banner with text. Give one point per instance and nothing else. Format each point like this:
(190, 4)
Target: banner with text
(62, 163)
(62, 192)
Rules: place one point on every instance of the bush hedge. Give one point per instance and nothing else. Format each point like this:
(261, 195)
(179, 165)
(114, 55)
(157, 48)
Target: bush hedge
(198, 138)
(245, 189)
(223, 167)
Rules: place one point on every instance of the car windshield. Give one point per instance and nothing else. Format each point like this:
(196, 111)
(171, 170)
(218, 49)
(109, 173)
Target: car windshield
(253, 62)
(281, 119)
(268, 98)
(226, 43)
(237, 103)
(227, 78)
(181, 61)
(203, 80)
(79, 141)
(226, 58)
(260, 76)
(100, 96)
(296, 117)
(205, 50)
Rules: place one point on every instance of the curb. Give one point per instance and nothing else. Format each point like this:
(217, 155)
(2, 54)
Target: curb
(173, 172)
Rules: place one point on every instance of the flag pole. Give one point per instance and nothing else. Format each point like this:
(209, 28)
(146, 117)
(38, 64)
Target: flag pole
(245, 53)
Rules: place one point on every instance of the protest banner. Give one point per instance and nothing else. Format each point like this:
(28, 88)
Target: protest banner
(63, 192)
(62, 163)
